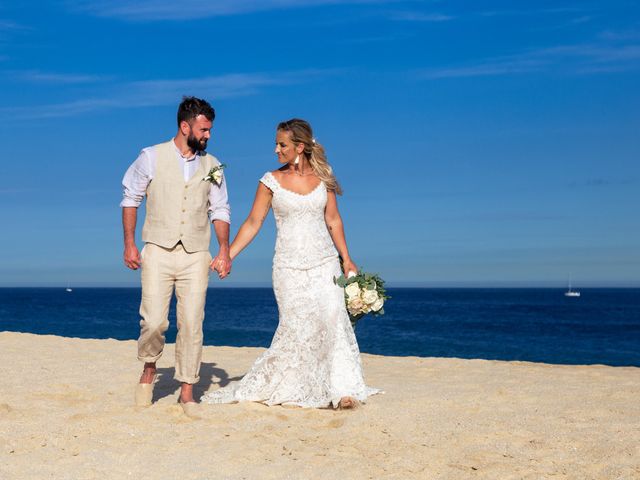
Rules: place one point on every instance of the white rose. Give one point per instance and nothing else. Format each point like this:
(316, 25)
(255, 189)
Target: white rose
(352, 290)
(369, 296)
(217, 176)
(377, 305)
(355, 306)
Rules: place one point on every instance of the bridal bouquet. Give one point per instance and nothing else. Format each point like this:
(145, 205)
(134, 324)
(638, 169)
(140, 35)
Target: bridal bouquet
(363, 293)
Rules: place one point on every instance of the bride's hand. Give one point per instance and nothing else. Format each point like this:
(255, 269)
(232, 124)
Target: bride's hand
(222, 264)
(349, 266)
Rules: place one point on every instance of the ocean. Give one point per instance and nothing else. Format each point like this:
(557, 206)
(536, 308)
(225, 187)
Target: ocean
(537, 325)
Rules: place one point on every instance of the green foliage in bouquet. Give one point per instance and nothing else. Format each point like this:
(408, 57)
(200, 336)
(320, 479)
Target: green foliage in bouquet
(364, 294)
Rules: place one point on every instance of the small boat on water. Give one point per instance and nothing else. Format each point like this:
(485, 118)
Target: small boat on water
(571, 293)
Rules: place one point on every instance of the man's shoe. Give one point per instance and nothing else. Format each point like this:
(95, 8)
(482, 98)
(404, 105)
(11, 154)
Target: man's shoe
(144, 393)
(190, 409)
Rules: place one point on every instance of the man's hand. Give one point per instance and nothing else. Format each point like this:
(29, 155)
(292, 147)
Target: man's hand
(222, 263)
(132, 256)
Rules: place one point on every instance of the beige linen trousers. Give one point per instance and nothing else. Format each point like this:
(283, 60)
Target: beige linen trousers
(163, 271)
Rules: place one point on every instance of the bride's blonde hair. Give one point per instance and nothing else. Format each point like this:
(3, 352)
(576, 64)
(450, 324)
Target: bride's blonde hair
(301, 132)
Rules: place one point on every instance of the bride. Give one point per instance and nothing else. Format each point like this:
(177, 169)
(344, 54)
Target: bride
(313, 360)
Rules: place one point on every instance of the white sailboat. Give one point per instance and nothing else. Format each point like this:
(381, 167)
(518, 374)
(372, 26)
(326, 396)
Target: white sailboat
(68, 289)
(571, 293)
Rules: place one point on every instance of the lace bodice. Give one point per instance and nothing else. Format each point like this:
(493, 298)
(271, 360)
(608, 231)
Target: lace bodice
(303, 240)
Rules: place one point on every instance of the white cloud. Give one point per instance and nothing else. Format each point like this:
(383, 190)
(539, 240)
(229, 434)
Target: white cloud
(573, 59)
(35, 76)
(149, 93)
(531, 12)
(66, 109)
(579, 20)
(8, 25)
(591, 53)
(604, 182)
(150, 10)
(620, 35)
(155, 92)
(420, 17)
(491, 67)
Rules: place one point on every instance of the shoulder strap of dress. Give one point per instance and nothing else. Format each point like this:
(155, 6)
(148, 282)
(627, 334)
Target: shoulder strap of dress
(269, 181)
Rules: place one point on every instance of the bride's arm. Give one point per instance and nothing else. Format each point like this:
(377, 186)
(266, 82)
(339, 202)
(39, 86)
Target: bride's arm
(336, 230)
(251, 226)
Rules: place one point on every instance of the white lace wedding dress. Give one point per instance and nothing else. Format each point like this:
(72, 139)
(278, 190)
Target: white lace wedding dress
(313, 360)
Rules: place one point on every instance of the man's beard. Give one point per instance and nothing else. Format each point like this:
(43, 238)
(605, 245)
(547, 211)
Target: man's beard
(195, 144)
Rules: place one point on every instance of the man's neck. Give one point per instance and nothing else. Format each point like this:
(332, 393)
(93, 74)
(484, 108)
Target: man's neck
(184, 149)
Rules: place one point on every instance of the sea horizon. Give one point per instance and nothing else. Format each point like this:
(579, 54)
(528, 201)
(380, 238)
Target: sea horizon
(513, 324)
(403, 285)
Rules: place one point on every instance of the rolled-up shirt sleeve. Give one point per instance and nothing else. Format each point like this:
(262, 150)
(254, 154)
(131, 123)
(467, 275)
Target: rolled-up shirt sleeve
(219, 202)
(136, 180)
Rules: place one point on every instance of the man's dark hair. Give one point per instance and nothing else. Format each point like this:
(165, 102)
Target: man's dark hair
(191, 107)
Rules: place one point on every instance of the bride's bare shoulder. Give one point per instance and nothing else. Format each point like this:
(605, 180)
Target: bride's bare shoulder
(279, 172)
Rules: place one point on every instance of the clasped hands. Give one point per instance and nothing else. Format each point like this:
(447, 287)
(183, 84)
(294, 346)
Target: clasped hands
(222, 264)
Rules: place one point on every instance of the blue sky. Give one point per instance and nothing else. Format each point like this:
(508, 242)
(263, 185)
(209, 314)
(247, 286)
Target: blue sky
(478, 143)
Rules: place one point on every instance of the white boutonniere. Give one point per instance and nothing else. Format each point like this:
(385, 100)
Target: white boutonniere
(215, 174)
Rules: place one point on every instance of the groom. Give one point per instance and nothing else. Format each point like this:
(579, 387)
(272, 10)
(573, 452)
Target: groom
(181, 203)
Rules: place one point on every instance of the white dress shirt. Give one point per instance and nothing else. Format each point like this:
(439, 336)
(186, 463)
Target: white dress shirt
(141, 172)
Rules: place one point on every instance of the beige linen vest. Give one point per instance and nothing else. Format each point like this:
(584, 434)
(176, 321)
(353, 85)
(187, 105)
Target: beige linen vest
(177, 211)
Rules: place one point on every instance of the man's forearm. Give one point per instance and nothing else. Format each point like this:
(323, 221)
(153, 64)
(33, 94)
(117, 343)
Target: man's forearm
(129, 218)
(222, 234)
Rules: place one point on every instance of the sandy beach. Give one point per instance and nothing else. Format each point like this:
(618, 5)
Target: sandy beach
(66, 412)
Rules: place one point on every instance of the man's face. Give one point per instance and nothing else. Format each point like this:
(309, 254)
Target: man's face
(199, 133)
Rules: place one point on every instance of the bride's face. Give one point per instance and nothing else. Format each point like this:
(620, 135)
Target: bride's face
(285, 149)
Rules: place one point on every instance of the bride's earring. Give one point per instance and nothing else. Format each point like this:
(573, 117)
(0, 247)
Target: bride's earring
(297, 160)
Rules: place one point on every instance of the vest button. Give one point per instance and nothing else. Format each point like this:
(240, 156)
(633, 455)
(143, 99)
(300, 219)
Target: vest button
(183, 210)
(185, 198)
(182, 222)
